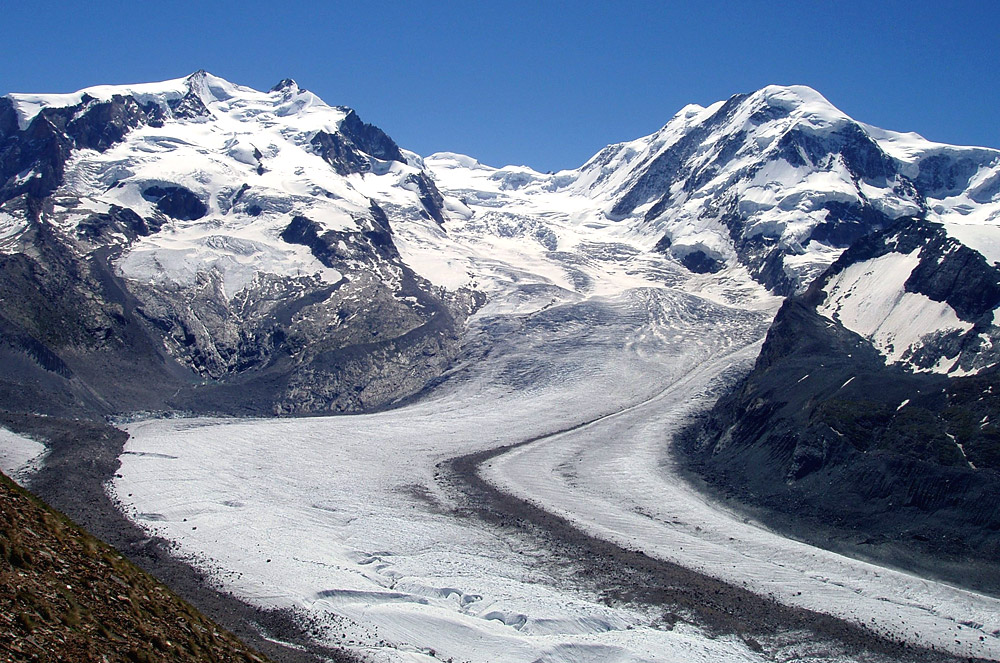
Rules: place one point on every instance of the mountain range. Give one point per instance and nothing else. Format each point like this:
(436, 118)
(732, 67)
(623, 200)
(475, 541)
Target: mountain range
(200, 247)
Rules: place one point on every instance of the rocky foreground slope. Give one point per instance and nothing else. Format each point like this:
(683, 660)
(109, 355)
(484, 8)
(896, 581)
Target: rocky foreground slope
(66, 596)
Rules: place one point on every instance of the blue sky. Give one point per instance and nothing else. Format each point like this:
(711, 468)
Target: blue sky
(545, 84)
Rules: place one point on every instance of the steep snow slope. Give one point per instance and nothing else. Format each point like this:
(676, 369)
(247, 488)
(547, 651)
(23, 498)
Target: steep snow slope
(247, 235)
(773, 185)
(925, 294)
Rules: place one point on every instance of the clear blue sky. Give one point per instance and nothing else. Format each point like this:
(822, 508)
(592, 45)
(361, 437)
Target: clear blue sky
(545, 84)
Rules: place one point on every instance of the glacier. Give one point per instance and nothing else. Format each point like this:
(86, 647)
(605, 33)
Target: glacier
(612, 304)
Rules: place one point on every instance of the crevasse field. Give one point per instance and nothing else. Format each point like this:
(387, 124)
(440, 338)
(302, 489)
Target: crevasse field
(349, 519)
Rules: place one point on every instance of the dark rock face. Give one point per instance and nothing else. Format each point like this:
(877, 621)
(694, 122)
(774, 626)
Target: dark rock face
(332, 248)
(370, 139)
(41, 150)
(69, 331)
(845, 223)
(349, 149)
(862, 156)
(340, 153)
(663, 244)
(828, 443)
(943, 175)
(100, 228)
(33, 161)
(105, 123)
(8, 118)
(700, 262)
(176, 202)
(188, 107)
(430, 197)
(953, 273)
(763, 255)
(285, 84)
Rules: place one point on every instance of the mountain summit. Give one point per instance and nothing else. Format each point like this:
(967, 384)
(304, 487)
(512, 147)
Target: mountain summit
(200, 230)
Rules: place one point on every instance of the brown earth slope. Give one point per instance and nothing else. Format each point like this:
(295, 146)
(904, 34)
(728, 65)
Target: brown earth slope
(66, 596)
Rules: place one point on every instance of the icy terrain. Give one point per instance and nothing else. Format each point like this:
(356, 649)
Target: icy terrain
(343, 516)
(770, 187)
(615, 478)
(20, 456)
(248, 157)
(870, 299)
(347, 518)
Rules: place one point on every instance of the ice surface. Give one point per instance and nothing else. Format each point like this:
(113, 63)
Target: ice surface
(617, 479)
(345, 517)
(20, 457)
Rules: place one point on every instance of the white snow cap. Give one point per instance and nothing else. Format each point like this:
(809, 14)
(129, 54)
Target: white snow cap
(207, 87)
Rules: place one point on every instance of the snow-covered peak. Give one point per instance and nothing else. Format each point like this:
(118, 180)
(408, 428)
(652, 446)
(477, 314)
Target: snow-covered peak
(777, 181)
(286, 85)
(30, 105)
(455, 160)
(212, 173)
(285, 98)
(800, 99)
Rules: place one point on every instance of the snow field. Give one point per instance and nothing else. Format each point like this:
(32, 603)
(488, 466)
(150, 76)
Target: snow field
(869, 298)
